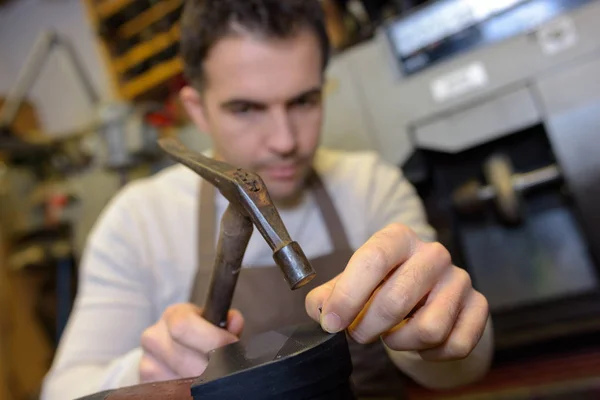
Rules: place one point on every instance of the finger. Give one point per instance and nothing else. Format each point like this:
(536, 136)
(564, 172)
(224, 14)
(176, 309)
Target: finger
(402, 291)
(182, 360)
(367, 268)
(152, 370)
(467, 332)
(431, 325)
(235, 322)
(188, 328)
(316, 298)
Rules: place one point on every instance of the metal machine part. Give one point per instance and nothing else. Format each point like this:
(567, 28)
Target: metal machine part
(498, 171)
(249, 204)
(468, 94)
(505, 188)
(128, 138)
(446, 28)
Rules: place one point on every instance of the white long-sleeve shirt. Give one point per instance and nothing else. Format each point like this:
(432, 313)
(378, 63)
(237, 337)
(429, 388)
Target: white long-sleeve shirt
(140, 258)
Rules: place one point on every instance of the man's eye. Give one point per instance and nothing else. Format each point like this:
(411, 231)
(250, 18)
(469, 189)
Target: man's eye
(243, 108)
(307, 101)
(302, 102)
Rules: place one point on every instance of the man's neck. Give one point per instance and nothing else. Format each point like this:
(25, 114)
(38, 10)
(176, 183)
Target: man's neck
(291, 201)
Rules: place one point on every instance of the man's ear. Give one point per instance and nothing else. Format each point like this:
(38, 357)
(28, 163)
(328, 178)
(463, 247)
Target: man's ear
(195, 108)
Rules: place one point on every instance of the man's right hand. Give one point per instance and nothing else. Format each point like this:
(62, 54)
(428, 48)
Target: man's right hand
(177, 345)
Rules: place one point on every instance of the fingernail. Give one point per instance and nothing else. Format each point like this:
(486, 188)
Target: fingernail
(331, 323)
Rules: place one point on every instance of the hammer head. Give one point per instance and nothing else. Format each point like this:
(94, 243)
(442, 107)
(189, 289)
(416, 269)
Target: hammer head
(296, 268)
(247, 192)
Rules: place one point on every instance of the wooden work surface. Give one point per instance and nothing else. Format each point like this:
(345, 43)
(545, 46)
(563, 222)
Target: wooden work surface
(5, 392)
(574, 375)
(25, 353)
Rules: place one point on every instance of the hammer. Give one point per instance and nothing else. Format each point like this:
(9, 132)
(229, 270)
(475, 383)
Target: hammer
(249, 205)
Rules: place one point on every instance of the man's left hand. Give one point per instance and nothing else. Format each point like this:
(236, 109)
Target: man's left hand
(406, 292)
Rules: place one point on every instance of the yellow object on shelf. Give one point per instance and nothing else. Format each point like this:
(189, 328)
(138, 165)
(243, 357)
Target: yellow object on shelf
(142, 21)
(134, 38)
(108, 8)
(147, 49)
(152, 79)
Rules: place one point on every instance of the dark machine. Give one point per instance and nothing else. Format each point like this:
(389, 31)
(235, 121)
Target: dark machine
(295, 362)
(492, 110)
(513, 217)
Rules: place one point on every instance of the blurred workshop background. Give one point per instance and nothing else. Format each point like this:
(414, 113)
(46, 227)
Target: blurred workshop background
(491, 108)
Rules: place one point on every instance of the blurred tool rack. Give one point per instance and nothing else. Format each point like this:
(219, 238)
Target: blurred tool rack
(139, 40)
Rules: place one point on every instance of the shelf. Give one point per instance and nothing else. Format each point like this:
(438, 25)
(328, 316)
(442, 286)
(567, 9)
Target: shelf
(148, 17)
(146, 50)
(155, 77)
(139, 42)
(108, 8)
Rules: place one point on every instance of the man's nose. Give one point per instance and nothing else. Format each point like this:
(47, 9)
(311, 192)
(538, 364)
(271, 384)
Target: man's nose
(282, 135)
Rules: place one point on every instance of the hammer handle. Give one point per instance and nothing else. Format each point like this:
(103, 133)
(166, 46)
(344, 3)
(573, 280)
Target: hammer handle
(236, 230)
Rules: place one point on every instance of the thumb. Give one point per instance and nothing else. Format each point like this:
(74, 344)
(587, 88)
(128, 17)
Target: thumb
(317, 297)
(235, 322)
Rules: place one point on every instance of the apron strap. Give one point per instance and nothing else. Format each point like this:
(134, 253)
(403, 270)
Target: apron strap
(207, 226)
(207, 219)
(332, 220)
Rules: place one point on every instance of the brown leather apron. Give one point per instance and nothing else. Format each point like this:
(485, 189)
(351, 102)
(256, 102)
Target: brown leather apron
(267, 303)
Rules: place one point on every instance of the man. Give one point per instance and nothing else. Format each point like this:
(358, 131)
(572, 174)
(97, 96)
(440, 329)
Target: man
(256, 73)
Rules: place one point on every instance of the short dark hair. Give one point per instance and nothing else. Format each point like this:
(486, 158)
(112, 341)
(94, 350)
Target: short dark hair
(205, 22)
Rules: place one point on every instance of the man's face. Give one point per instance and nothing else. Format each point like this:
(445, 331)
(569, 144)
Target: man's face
(262, 106)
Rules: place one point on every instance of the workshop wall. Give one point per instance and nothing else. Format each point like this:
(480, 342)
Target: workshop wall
(6, 70)
(61, 102)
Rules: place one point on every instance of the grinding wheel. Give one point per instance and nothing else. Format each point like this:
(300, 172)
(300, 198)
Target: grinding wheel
(467, 199)
(498, 172)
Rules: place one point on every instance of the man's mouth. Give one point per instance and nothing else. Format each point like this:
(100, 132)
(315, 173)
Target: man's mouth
(281, 172)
